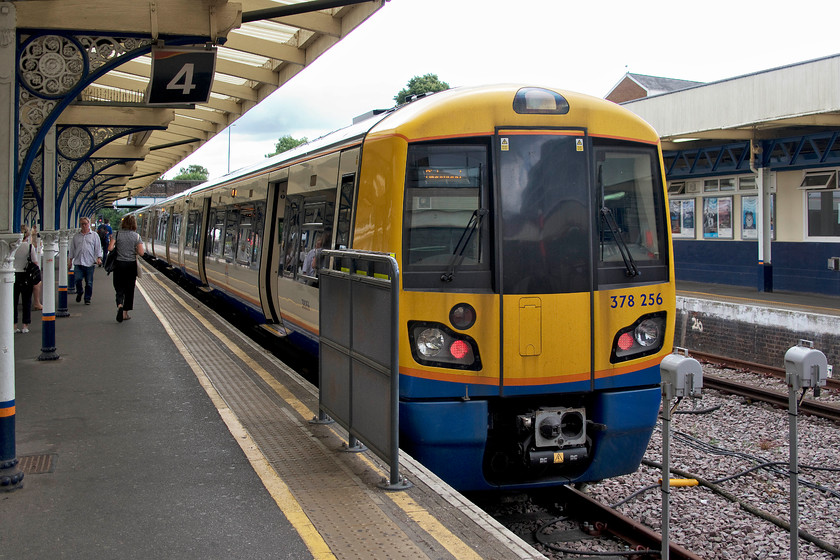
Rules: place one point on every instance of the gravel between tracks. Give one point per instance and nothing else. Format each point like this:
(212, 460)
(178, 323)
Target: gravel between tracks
(714, 527)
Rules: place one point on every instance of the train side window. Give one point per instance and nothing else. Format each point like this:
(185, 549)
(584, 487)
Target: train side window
(193, 238)
(346, 195)
(231, 230)
(215, 232)
(161, 229)
(257, 221)
(176, 230)
(308, 222)
(247, 240)
(291, 236)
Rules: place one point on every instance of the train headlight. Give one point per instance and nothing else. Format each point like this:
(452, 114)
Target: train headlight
(430, 342)
(648, 333)
(644, 337)
(435, 344)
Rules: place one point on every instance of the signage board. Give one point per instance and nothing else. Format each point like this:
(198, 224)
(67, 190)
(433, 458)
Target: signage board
(181, 75)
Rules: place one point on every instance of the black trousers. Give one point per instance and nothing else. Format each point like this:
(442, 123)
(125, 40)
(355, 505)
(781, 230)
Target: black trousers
(125, 278)
(23, 291)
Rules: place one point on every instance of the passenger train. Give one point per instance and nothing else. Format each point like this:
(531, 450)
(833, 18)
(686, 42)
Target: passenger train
(536, 296)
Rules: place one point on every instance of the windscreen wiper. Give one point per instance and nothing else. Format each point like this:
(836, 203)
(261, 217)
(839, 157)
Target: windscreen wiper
(629, 263)
(466, 235)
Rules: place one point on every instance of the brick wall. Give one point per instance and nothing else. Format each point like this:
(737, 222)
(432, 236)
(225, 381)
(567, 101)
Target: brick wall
(761, 342)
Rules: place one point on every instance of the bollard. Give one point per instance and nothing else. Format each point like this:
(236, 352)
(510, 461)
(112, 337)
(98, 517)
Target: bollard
(805, 367)
(681, 376)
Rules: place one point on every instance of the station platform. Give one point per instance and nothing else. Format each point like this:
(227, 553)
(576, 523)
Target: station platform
(172, 435)
(757, 327)
(807, 303)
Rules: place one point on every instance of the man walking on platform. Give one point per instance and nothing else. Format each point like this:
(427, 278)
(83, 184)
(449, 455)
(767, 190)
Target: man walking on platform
(85, 254)
(105, 232)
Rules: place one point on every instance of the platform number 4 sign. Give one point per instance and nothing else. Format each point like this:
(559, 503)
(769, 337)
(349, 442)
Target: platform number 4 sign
(181, 75)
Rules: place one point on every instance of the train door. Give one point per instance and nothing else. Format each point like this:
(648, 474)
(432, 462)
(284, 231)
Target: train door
(205, 220)
(271, 263)
(348, 168)
(545, 257)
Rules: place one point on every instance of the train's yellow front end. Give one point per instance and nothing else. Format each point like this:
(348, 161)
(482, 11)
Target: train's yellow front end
(537, 295)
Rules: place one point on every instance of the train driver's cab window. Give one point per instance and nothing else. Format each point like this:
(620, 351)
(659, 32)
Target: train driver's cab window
(446, 216)
(632, 217)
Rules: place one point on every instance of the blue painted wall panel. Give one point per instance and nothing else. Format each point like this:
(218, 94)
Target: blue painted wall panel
(797, 267)
(716, 262)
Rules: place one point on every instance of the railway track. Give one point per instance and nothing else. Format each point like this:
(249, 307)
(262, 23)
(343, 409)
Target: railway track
(564, 519)
(807, 406)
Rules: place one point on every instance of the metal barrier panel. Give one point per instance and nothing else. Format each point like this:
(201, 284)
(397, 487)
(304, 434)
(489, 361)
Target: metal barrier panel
(358, 365)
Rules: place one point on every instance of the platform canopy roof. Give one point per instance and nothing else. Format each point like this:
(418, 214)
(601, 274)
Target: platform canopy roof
(261, 45)
(793, 100)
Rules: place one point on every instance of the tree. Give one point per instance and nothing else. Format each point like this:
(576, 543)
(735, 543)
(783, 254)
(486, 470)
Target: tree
(287, 142)
(192, 173)
(420, 84)
(115, 216)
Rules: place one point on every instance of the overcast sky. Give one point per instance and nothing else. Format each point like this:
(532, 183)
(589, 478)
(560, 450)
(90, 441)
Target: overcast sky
(584, 46)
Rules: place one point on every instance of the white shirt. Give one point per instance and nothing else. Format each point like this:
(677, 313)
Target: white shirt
(21, 253)
(85, 248)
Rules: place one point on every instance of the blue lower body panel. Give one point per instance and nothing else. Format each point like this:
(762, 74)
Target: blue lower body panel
(450, 438)
(629, 417)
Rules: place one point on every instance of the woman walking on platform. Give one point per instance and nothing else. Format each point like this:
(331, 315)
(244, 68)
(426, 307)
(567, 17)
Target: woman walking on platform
(22, 289)
(128, 245)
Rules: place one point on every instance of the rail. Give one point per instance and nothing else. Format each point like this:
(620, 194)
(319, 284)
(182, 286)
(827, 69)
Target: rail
(807, 406)
(733, 363)
(622, 527)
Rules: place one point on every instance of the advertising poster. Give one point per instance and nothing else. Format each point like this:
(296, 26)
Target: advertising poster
(725, 217)
(710, 218)
(682, 219)
(749, 213)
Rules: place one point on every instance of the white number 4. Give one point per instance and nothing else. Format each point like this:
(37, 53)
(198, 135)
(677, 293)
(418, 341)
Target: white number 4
(185, 77)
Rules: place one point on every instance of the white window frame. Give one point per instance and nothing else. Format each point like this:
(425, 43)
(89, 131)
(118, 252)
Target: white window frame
(805, 236)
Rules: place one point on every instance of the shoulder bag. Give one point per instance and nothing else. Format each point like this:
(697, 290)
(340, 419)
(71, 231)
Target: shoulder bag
(32, 270)
(111, 260)
(137, 260)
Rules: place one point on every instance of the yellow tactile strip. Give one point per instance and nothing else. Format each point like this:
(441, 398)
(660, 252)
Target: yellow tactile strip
(255, 385)
(344, 514)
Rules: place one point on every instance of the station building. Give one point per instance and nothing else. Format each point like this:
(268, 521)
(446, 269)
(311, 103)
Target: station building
(752, 167)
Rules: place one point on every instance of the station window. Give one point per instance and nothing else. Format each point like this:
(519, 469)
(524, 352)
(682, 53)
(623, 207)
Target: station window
(719, 185)
(819, 180)
(676, 188)
(747, 183)
(824, 214)
(822, 203)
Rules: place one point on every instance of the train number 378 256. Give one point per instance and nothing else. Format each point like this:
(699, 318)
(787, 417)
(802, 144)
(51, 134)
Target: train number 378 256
(646, 300)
